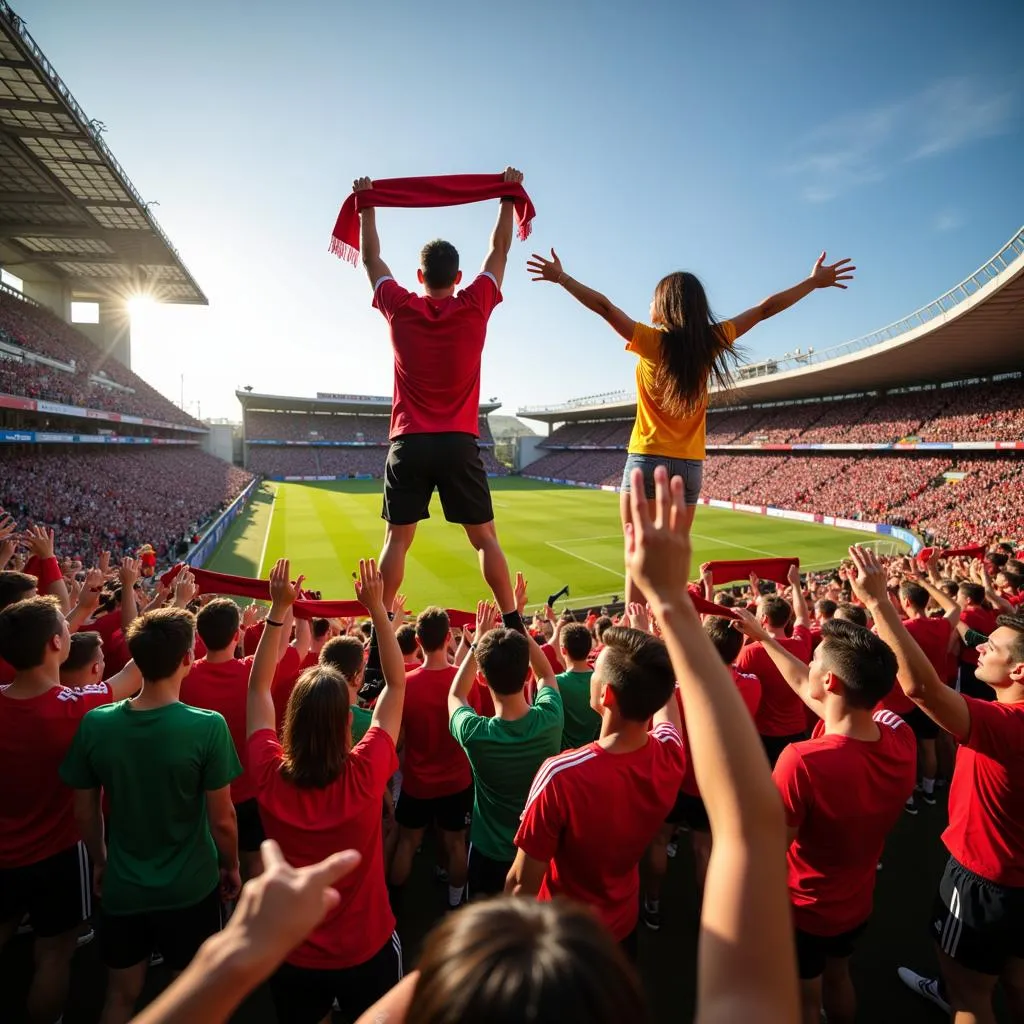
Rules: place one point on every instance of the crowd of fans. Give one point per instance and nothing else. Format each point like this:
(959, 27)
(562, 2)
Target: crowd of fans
(308, 426)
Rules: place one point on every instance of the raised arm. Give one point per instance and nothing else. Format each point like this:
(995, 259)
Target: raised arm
(822, 275)
(501, 236)
(551, 270)
(458, 693)
(746, 969)
(128, 575)
(88, 601)
(801, 611)
(369, 241)
(387, 714)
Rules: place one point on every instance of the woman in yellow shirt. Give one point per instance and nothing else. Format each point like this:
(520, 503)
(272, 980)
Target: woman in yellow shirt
(678, 356)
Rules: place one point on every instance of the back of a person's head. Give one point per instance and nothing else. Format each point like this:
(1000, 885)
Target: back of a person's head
(320, 628)
(439, 261)
(406, 637)
(725, 600)
(432, 628)
(914, 595)
(576, 641)
(316, 723)
(16, 586)
(1015, 565)
(949, 587)
(825, 609)
(344, 654)
(776, 610)
(603, 624)
(728, 641)
(160, 640)
(1013, 580)
(636, 667)
(850, 612)
(864, 662)
(973, 593)
(504, 659)
(26, 628)
(85, 647)
(510, 961)
(217, 623)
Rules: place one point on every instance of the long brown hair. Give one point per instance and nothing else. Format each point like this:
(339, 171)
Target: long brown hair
(316, 727)
(693, 348)
(511, 960)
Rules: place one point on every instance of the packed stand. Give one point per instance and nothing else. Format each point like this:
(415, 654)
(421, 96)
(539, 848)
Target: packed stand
(605, 432)
(266, 460)
(980, 412)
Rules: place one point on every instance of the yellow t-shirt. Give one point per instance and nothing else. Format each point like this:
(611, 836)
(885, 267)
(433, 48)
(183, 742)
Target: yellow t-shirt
(655, 432)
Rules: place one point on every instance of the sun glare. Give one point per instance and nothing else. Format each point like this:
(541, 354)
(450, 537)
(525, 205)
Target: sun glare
(140, 305)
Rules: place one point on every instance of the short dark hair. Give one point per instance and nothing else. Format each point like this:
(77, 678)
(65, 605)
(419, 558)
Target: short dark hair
(439, 261)
(776, 610)
(406, 637)
(603, 624)
(26, 627)
(864, 662)
(974, 592)
(321, 627)
(638, 670)
(728, 641)
(218, 622)
(344, 654)
(949, 588)
(577, 641)
(83, 651)
(850, 612)
(1015, 565)
(159, 641)
(15, 586)
(432, 628)
(724, 600)
(826, 607)
(313, 744)
(504, 659)
(914, 594)
(1015, 622)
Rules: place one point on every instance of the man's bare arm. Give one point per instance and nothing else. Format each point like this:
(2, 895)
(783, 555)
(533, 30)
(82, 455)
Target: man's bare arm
(501, 236)
(369, 241)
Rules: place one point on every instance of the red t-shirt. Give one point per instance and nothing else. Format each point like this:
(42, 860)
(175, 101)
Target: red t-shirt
(310, 824)
(434, 764)
(592, 814)
(844, 796)
(36, 817)
(781, 712)
(983, 621)
(932, 636)
(223, 687)
(986, 797)
(438, 344)
(286, 675)
(750, 691)
(480, 699)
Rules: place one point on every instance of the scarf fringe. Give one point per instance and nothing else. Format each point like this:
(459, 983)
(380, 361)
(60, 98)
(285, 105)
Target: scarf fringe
(344, 251)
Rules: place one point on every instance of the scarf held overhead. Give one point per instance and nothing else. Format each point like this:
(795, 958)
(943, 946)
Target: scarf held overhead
(775, 569)
(440, 190)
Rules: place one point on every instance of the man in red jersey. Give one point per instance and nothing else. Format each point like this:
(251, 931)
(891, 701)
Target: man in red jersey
(592, 812)
(438, 340)
(978, 918)
(220, 682)
(843, 791)
(780, 719)
(43, 866)
(437, 782)
(976, 615)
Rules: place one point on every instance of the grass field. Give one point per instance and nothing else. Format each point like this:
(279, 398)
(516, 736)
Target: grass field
(556, 535)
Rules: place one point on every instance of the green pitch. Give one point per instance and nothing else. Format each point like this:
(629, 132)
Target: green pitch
(555, 535)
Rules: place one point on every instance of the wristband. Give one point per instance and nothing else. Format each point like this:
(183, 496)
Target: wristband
(508, 199)
(271, 622)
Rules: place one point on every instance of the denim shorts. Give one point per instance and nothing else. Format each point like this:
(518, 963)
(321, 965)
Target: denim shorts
(691, 470)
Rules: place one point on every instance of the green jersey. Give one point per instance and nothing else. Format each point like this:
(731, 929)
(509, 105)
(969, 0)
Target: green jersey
(582, 722)
(155, 767)
(361, 718)
(505, 756)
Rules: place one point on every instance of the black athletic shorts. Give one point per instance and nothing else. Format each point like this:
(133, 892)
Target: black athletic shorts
(977, 923)
(419, 463)
(485, 877)
(250, 826)
(924, 728)
(56, 892)
(775, 745)
(689, 811)
(452, 813)
(128, 939)
(813, 950)
(303, 995)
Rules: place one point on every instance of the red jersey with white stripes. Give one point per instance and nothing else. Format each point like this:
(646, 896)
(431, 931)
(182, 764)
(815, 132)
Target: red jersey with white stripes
(591, 815)
(843, 796)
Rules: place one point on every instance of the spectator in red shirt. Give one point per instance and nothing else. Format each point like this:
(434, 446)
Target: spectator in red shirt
(438, 341)
(978, 919)
(976, 615)
(437, 782)
(84, 664)
(407, 644)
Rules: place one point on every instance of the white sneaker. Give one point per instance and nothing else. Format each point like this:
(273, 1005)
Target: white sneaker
(672, 848)
(85, 938)
(926, 987)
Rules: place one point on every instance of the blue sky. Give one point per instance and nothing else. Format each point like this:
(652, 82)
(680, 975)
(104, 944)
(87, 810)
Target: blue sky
(734, 139)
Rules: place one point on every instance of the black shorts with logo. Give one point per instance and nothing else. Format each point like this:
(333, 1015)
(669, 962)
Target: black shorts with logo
(250, 826)
(923, 727)
(813, 950)
(451, 463)
(485, 877)
(56, 892)
(977, 923)
(452, 813)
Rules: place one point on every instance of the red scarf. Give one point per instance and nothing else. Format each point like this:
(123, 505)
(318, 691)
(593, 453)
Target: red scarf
(975, 551)
(775, 569)
(706, 607)
(440, 190)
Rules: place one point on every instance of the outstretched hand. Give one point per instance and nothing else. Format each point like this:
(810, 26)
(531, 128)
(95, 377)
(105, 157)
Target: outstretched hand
(869, 581)
(519, 591)
(370, 586)
(283, 592)
(513, 175)
(749, 625)
(830, 275)
(543, 269)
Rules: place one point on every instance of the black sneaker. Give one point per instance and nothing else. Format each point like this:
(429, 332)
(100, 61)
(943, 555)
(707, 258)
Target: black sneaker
(928, 798)
(911, 805)
(650, 916)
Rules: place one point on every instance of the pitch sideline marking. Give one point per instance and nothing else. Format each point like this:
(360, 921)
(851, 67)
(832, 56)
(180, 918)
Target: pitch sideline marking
(266, 536)
(589, 561)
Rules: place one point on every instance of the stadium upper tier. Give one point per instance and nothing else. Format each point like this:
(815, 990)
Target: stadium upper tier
(977, 327)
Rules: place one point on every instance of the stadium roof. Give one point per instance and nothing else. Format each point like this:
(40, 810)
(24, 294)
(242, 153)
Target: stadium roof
(975, 329)
(366, 405)
(67, 209)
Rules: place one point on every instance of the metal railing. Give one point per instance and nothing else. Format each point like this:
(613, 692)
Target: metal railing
(970, 285)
